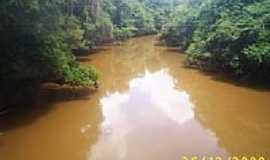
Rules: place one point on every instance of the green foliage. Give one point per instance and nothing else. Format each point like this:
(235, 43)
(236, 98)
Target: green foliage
(80, 75)
(130, 18)
(161, 10)
(229, 35)
(37, 39)
(75, 33)
(137, 17)
(178, 31)
(122, 33)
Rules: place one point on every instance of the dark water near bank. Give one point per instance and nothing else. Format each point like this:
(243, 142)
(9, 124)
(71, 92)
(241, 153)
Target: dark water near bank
(148, 107)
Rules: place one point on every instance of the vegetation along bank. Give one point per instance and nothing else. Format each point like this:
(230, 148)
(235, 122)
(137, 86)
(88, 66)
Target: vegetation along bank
(39, 39)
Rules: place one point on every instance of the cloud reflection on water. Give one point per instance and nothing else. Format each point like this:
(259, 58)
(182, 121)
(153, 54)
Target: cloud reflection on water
(151, 112)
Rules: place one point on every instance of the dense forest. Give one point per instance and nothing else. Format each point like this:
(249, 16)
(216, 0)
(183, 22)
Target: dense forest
(39, 38)
(231, 36)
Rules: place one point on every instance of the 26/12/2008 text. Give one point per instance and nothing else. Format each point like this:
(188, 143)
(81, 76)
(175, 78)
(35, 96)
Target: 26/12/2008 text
(222, 158)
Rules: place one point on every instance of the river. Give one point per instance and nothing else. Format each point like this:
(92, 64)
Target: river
(149, 106)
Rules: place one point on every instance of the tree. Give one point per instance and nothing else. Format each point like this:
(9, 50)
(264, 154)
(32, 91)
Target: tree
(225, 35)
(37, 39)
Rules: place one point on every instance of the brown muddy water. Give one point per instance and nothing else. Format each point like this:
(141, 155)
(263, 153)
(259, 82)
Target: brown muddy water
(148, 107)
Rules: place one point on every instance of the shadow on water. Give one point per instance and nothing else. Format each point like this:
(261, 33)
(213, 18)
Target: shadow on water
(87, 52)
(253, 84)
(83, 59)
(174, 49)
(225, 77)
(46, 98)
(83, 55)
(160, 44)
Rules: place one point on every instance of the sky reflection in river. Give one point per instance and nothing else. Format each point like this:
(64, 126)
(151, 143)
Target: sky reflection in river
(148, 119)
